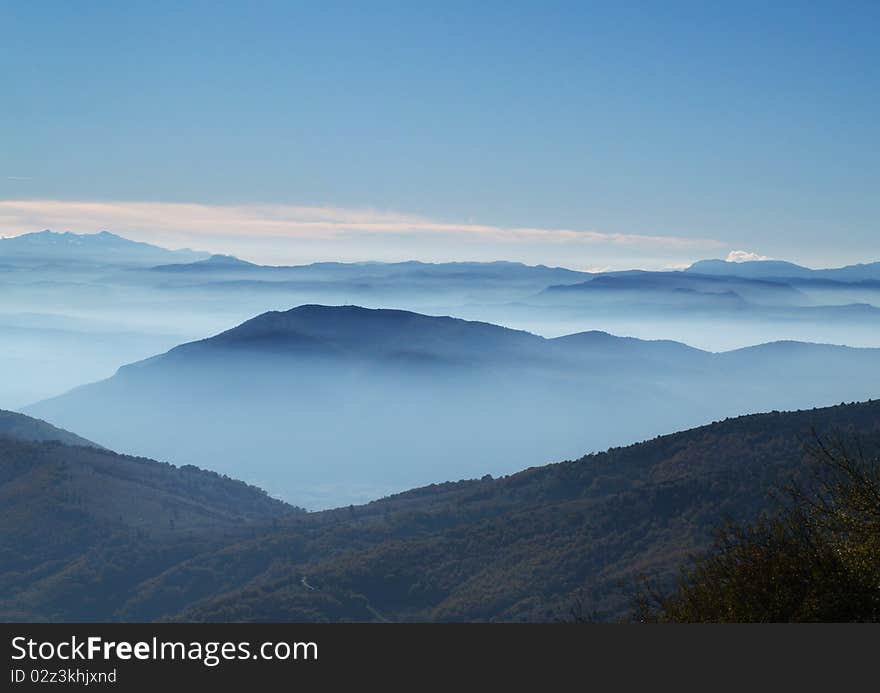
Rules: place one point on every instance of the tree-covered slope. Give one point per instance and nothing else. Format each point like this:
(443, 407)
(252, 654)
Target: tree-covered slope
(93, 535)
(82, 526)
(524, 547)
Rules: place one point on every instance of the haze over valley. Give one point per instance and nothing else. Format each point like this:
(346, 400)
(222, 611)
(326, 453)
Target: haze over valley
(327, 406)
(332, 383)
(74, 308)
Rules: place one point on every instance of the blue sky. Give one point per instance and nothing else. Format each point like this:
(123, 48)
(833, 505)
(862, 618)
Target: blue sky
(661, 132)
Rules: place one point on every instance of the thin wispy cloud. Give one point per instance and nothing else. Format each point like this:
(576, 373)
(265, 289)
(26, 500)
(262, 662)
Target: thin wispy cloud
(19, 178)
(288, 221)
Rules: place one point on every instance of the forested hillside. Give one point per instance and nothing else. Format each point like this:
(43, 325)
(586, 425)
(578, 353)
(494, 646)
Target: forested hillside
(127, 539)
(82, 526)
(533, 545)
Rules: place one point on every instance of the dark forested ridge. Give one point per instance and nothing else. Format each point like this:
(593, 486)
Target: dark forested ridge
(531, 545)
(527, 546)
(82, 526)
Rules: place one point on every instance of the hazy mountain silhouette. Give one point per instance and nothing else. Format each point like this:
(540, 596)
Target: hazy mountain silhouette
(685, 286)
(331, 405)
(107, 301)
(730, 308)
(213, 263)
(411, 269)
(103, 248)
(777, 269)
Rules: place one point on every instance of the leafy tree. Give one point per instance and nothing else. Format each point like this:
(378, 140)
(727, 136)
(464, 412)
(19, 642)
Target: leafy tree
(816, 559)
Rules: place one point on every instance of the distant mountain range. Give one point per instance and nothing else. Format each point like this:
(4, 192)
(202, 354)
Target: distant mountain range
(714, 304)
(684, 287)
(396, 283)
(778, 269)
(148, 299)
(332, 405)
(749, 270)
(94, 536)
(411, 269)
(756, 269)
(103, 248)
(108, 249)
(144, 300)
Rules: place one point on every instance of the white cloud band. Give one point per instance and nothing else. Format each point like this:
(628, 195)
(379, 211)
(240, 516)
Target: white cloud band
(286, 221)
